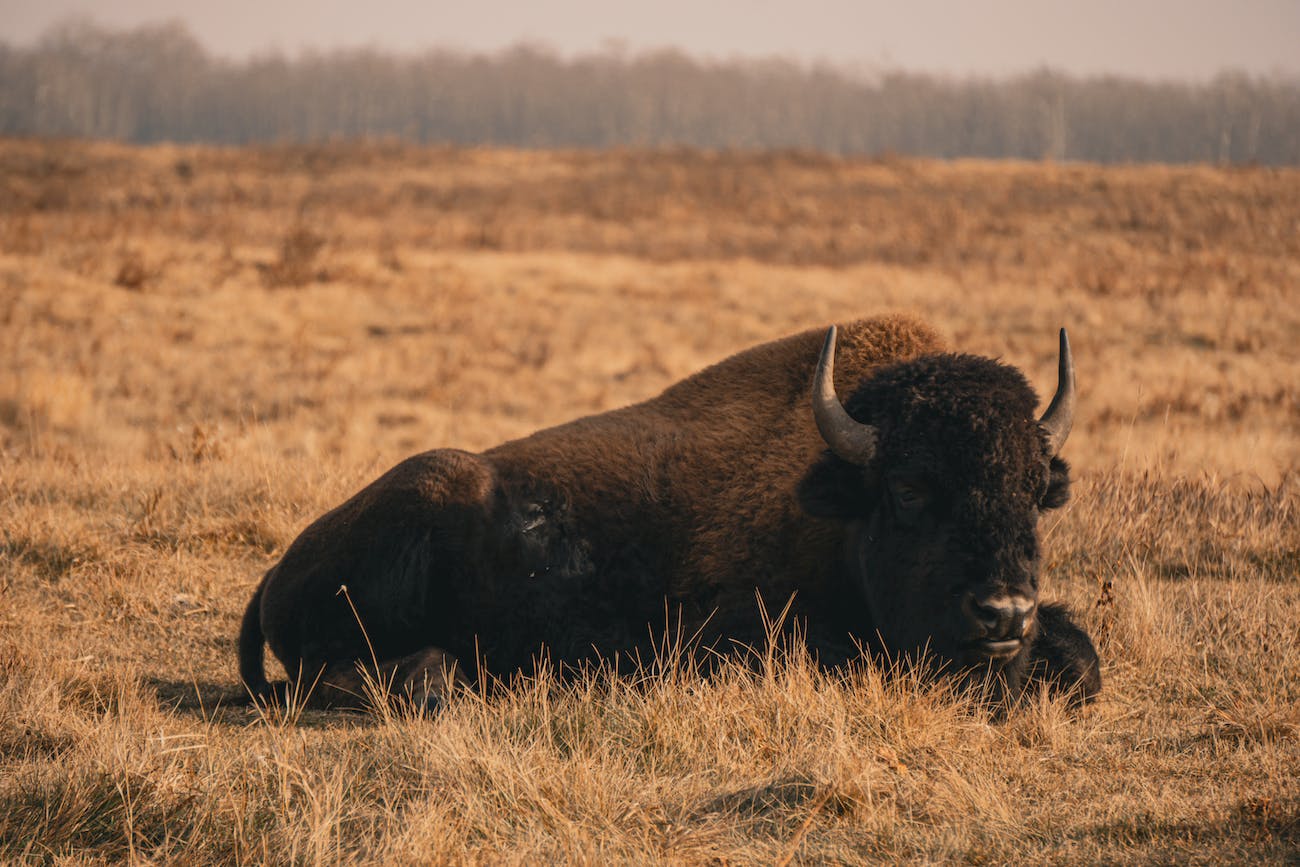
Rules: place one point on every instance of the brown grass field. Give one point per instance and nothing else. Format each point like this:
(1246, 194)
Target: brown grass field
(204, 349)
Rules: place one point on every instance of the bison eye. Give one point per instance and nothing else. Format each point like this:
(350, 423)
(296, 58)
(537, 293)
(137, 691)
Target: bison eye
(910, 497)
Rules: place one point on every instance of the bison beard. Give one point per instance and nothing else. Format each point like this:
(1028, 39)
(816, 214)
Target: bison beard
(904, 520)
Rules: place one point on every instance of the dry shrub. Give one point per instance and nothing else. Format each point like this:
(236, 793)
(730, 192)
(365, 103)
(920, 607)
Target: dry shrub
(132, 273)
(296, 265)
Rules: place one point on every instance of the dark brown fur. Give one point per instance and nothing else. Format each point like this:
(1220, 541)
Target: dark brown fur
(584, 539)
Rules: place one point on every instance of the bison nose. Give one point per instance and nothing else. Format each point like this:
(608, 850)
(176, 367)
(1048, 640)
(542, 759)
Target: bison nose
(1000, 617)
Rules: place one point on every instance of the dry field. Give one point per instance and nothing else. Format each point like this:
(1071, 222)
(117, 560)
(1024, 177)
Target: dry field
(203, 349)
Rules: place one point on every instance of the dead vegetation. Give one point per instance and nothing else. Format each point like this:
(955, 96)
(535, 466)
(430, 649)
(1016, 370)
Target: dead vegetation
(302, 318)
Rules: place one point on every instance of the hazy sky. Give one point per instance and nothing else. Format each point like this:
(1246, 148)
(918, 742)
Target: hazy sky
(1147, 38)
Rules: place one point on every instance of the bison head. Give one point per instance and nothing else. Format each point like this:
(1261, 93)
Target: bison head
(940, 471)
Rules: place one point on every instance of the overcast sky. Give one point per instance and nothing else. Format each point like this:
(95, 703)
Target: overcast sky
(1146, 38)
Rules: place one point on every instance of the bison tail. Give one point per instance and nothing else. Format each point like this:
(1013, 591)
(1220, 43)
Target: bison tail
(251, 641)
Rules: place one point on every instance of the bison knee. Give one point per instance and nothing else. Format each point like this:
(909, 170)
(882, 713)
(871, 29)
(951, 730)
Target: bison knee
(1064, 656)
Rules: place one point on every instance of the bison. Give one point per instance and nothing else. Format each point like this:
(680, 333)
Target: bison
(900, 522)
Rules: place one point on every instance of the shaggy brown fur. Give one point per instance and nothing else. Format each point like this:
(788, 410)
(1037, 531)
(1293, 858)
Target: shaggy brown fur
(590, 538)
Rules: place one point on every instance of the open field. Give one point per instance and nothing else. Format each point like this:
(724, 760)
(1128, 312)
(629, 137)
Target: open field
(201, 350)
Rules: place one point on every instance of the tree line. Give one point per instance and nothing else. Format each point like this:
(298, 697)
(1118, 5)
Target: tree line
(158, 83)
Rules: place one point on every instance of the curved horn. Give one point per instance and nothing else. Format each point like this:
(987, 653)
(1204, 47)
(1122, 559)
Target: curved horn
(852, 440)
(1059, 417)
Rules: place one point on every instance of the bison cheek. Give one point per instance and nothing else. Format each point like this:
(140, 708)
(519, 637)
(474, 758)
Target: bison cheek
(911, 603)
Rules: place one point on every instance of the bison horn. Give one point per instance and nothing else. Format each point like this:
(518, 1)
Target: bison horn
(1058, 418)
(852, 440)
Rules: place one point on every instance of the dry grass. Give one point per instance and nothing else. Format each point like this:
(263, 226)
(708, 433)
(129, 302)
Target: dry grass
(203, 349)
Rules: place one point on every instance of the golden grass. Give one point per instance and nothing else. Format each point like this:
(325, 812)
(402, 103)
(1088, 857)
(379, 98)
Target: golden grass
(204, 349)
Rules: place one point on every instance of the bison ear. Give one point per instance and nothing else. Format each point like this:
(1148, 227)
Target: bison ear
(834, 488)
(1058, 485)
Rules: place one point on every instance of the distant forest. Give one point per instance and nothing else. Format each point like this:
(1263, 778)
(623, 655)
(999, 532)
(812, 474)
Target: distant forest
(157, 83)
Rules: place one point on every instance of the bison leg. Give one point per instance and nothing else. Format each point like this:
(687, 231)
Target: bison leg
(1063, 656)
(424, 679)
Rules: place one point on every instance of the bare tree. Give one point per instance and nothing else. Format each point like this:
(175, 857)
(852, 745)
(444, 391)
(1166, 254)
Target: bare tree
(157, 83)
